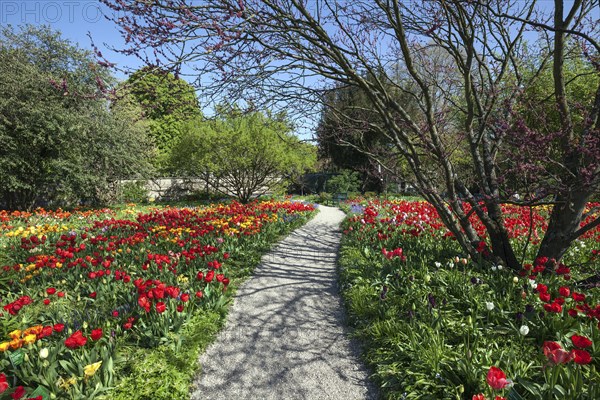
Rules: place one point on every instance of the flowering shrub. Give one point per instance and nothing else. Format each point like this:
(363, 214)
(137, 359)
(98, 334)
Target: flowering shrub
(82, 285)
(438, 324)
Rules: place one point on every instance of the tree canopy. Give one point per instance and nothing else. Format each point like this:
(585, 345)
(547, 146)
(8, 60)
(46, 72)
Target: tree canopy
(60, 143)
(346, 139)
(166, 102)
(242, 154)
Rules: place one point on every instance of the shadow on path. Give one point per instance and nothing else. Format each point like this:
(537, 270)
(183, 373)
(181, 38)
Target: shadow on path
(285, 335)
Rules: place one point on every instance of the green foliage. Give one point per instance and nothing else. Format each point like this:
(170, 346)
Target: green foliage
(60, 144)
(244, 155)
(345, 182)
(537, 103)
(166, 372)
(348, 122)
(166, 102)
(133, 192)
(433, 324)
(538, 111)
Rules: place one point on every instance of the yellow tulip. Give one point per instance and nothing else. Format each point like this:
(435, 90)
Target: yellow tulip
(29, 339)
(4, 346)
(35, 330)
(90, 370)
(16, 334)
(64, 384)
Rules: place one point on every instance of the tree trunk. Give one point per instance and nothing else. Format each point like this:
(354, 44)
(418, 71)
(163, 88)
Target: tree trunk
(565, 220)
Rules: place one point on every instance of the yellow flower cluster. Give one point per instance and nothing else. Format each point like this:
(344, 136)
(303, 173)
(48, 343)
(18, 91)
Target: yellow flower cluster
(20, 338)
(36, 230)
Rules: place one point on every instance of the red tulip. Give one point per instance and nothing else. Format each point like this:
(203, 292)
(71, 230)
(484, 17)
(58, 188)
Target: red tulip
(3, 383)
(209, 276)
(564, 291)
(578, 296)
(581, 356)
(545, 297)
(144, 303)
(96, 334)
(496, 378)
(541, 288)
(581, 341)
(75, 340)
(18, 393)
(556, 354)
(554, 307)
(46, 331)
(572, 312)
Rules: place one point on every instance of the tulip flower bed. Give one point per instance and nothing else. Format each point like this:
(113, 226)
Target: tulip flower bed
(436, 324)
(82, 290)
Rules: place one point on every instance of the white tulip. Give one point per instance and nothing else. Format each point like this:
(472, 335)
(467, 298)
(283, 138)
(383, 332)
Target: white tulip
(44, 353)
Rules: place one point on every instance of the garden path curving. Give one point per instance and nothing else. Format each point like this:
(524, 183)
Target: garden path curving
(285, 336)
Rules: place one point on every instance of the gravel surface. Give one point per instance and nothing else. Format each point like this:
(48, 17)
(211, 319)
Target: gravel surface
(285, 336)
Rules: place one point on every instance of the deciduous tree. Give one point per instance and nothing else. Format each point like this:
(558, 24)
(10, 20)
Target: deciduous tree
(60, 143)
(244, 154)
(166, 102)
(288, 52)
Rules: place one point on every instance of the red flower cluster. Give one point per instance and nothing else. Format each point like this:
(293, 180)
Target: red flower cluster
(394, 253)
(555, 305)
(76, 340)
(557, 355)
(151, 290)
(32, 242)
(164, 249)
(14, 307)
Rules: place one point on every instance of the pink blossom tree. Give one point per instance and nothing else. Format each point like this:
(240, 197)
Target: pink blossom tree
(466, 63)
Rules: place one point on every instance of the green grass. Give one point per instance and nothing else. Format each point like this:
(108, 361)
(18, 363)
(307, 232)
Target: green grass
(167, 371)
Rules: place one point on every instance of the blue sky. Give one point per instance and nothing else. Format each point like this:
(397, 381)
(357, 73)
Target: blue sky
(74, 19)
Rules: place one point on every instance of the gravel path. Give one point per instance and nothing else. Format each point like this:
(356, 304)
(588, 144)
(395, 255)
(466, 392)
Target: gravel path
(285, 337)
